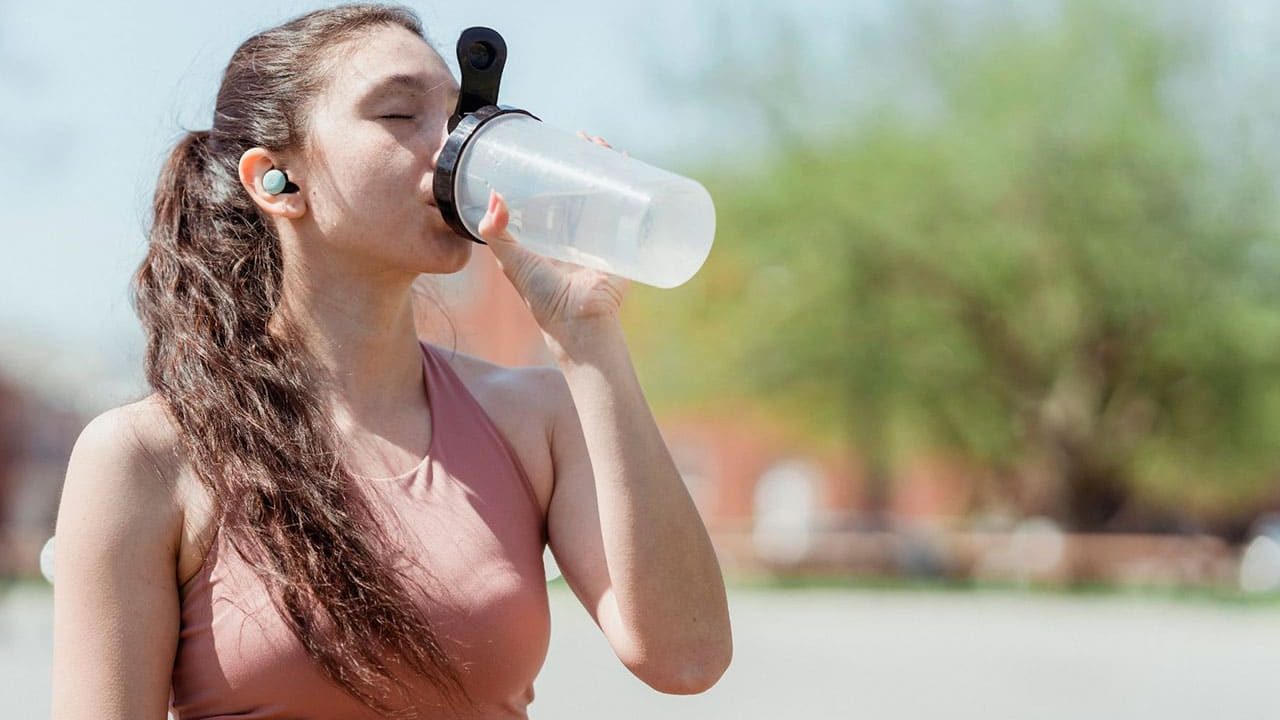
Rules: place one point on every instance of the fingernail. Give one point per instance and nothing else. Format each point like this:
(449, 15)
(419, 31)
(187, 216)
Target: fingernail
(493, 199)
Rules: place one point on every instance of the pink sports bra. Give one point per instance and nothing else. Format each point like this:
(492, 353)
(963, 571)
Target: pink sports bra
(467, 514)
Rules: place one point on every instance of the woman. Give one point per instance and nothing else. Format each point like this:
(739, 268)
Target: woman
(264, 536)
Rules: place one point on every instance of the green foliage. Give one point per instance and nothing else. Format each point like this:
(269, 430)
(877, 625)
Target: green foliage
(1047, 270)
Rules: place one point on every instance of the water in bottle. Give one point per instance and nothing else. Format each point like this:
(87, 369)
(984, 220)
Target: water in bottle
(577, 201)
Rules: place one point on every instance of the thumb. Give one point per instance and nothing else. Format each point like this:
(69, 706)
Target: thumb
(517, 263)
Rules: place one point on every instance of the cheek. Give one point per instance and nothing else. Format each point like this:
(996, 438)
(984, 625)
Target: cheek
(368, 164)
(371, 182)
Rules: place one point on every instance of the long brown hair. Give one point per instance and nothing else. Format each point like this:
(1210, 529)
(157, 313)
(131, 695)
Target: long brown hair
(255, 430)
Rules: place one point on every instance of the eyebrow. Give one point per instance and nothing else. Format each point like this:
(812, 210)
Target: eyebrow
(401, 83)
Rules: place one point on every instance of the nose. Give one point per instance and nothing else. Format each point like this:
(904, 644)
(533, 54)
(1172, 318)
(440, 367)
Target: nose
(435, 156)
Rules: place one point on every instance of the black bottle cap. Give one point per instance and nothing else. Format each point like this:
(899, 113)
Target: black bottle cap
(482, 54)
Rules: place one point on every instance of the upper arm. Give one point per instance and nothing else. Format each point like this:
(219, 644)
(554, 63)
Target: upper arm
(115, 597)
(573, 520)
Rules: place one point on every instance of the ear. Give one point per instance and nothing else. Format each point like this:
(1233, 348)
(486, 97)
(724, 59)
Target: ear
(254, 163)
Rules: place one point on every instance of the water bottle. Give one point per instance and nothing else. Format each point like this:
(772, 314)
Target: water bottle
(569, 199)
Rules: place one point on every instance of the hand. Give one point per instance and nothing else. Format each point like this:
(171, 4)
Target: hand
(560, 295)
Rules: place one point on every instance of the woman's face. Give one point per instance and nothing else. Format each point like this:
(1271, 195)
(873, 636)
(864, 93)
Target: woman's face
(373, 135)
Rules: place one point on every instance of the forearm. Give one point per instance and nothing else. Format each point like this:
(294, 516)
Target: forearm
(666, 579)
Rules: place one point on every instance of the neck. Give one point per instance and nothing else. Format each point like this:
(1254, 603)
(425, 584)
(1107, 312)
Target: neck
(359, 326)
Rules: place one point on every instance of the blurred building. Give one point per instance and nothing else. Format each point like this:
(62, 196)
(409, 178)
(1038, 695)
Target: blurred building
(37, 432)
(774, 503)
(10, 445)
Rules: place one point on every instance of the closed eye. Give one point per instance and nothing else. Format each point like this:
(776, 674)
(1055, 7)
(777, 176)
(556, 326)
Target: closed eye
(398, 117)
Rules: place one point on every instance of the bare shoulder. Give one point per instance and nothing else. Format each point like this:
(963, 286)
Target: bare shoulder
(136, 441)
(136, 456)
(542, 384)
(522, 402)
(119, 486)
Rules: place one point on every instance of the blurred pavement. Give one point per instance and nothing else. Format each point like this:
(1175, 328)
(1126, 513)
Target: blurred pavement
(900, 655)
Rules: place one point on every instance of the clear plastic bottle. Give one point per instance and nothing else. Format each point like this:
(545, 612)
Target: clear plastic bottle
(583, 203)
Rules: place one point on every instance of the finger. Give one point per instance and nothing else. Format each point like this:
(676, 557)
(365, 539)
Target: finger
(493, 226)
(593, 138)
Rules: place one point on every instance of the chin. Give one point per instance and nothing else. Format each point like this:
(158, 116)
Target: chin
(456, 253)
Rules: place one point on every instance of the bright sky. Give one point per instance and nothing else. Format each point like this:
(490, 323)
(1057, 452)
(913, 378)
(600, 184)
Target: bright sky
(92, 95)
(102, 90)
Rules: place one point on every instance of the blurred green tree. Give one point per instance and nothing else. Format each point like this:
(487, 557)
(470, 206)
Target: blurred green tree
(1043, 272)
